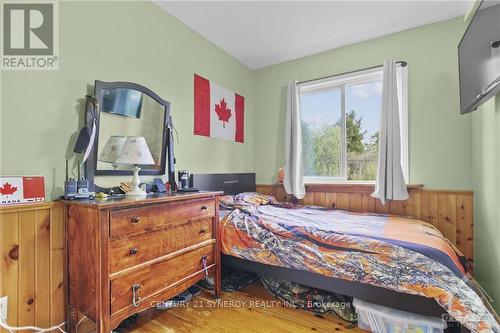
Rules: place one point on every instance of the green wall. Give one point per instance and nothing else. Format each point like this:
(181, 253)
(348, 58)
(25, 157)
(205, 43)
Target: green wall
(440, 138)
(486, 186)
(486, 180)
(41, 111)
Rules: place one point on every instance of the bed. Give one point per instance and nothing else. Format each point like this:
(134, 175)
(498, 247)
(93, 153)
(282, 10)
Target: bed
(437, 268)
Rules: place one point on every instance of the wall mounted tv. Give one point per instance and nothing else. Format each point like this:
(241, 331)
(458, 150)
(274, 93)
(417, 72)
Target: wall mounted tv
(479, 57)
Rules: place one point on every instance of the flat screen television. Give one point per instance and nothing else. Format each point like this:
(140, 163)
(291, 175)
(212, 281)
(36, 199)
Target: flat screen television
(122, 101)
(479, 57)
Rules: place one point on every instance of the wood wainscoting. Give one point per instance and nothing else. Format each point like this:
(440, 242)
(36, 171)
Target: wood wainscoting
(32, 267)
(450, 211)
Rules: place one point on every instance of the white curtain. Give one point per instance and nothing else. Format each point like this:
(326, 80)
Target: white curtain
(390, 183)
(294, 166)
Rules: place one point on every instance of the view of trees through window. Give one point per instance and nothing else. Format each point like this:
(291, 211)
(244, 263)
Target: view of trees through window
(322, 131)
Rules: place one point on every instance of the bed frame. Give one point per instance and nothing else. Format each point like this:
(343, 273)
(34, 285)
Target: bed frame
(245, 182)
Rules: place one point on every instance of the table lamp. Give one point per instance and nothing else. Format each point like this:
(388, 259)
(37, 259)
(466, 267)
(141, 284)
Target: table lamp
(135, 152)
(112, 149)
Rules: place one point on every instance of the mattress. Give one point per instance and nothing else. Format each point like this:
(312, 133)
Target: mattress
(401, 254)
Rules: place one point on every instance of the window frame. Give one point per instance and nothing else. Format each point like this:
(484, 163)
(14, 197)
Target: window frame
(359, 77)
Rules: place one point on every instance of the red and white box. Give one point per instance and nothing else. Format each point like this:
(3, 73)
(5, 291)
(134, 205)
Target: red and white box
(21, 189)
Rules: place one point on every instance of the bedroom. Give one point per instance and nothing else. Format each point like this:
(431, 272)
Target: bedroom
(104, 264)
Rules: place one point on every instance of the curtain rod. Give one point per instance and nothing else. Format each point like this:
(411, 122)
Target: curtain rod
(402, 63)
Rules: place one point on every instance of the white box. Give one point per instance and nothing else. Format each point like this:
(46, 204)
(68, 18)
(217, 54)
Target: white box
(381, 319)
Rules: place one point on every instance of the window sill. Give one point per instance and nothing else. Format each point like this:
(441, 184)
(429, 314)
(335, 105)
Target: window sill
(349, 187)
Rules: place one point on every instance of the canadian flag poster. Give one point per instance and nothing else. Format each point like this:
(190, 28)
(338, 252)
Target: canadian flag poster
(218, 112)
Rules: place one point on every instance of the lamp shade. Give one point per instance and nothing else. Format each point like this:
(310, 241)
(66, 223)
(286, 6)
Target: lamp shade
(135, 151)
(112, 149)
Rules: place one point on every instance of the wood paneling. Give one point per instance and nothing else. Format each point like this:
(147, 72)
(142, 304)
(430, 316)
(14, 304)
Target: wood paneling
(450, 211)
(32, 266)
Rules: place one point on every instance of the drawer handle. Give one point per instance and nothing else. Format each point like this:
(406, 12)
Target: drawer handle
(203, 230)
(204, 207)
(136, 219)
(133, 251)
(136, 298)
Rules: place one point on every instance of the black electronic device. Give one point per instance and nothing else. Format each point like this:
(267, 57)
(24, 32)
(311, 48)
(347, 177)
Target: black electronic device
(230, 183)
(83, 183)
(83, 186)
(189, 189)
(183, 178)
(479, 57)
(76, 189)
(70, 189)
(185, 183)
(70, 186)
(160, 186)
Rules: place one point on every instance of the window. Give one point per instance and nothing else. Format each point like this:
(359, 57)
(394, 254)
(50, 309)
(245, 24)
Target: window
(340, 118)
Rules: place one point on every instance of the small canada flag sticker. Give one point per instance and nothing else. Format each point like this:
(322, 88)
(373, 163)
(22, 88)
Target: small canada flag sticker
(21, 189)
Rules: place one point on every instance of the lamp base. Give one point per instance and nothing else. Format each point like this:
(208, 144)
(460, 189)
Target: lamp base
(136, 190)
(136, 193)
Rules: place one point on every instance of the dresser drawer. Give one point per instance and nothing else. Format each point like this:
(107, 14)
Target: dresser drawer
(131, 251)
(139, 220)
(157, 278)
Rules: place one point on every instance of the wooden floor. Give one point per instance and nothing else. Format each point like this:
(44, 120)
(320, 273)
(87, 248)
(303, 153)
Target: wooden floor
(241, 311)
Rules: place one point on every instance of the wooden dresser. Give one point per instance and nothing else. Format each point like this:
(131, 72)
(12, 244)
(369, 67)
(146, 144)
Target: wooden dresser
(125, 255)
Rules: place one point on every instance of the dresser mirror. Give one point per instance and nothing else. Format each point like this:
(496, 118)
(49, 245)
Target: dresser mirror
(129, 110)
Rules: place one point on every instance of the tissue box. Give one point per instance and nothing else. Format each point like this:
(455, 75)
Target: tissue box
(21, 189)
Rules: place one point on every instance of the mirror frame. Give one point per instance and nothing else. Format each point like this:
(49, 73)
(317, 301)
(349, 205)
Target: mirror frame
(167, 149)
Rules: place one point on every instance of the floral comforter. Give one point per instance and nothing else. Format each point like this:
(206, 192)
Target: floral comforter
(401, 254)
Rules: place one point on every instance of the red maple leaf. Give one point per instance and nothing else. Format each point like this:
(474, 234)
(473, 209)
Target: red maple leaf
(223, 112)
(7, 189)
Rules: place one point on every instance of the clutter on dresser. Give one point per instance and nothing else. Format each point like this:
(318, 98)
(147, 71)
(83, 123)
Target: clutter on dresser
(183, 176)
(77, 189)
(113, 193)
(102, 196)
(159, 185)
(21, 189)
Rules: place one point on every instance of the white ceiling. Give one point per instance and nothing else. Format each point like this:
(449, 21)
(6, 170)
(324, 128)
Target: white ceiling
(262, 33)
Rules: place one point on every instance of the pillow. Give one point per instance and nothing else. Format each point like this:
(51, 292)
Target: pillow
(247, 201)
(226, 201)
(255, 199)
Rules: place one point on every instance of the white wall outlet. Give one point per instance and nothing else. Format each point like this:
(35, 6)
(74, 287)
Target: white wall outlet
(3, 308)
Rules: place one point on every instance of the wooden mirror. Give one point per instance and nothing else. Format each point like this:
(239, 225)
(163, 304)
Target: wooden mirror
(128, 109)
